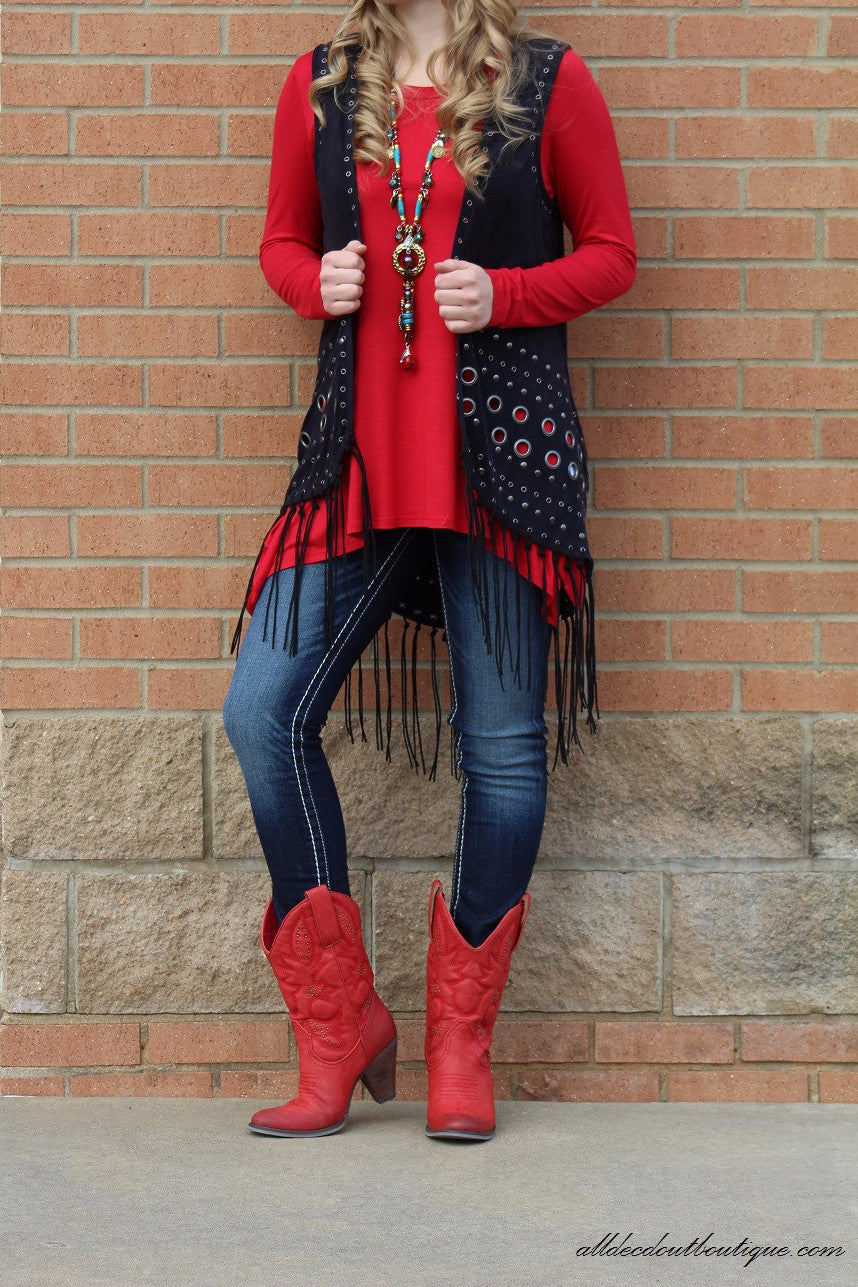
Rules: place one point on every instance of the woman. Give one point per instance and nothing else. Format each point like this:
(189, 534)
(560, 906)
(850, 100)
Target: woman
(423, 166)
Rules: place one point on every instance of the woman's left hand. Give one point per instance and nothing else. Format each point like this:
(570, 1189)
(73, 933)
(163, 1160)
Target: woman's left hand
(464, 295)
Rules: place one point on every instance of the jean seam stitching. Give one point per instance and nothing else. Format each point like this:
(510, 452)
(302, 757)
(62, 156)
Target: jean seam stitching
(346, 630)
(457, 861)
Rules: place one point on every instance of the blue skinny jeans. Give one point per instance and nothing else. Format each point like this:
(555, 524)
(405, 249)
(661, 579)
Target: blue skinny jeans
(277, 705)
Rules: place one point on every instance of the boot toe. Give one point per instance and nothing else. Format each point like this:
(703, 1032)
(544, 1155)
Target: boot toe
(460, 1123)
(275, 1121)
(460, 1127)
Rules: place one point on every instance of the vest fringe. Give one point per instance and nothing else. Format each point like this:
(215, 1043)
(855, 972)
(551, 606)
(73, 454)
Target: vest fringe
(574, 664)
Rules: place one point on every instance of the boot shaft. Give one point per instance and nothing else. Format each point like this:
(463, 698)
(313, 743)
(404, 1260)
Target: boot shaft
(464, 984)
(319, 960)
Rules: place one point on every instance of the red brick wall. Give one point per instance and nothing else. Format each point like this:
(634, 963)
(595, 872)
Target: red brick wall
(625, 1060)
(154, 385)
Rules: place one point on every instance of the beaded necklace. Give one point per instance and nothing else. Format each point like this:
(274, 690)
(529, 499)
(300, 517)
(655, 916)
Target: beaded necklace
(409, 257)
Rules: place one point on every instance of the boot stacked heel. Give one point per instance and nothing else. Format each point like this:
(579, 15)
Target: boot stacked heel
(380, 1076)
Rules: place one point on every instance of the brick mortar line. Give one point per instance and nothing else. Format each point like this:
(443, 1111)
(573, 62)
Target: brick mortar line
(777, 566)
(572, 1065)
(141, 209)
(95, 561)
(665, 943)
(260, 160)
(506, 1017)
(614, 1065)
(425, 666)
(259, 1065)
(136, 614)
(263, 110)
(730, 411)
(171, 462)
(222, 314)
(153, 6)
(799, 864)
(593, 413)
(806, 263)
(636, 665)
(669, 617)
(99, 867)
(749, 60)
(72, 943)
(807, 791)
(576, 361)
(29, 714)
(639, 211)
(208, 789)
(12, 715)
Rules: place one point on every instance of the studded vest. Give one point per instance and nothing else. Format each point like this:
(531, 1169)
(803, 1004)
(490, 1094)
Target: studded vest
(522, 447)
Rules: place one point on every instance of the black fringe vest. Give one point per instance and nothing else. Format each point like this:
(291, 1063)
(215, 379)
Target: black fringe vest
(524, 458)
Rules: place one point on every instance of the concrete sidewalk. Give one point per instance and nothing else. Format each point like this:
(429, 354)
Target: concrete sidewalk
(127, 1192)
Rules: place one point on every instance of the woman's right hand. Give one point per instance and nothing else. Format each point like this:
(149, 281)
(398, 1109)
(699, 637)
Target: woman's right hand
(341, 279)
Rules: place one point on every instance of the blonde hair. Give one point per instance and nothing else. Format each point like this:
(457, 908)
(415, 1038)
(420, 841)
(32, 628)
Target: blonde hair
(481, 75)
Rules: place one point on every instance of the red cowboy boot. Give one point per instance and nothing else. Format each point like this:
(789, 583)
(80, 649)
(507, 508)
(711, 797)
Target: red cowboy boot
(464, 986)
(343, 1031)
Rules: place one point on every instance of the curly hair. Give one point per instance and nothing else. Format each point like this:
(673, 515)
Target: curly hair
(484, 63)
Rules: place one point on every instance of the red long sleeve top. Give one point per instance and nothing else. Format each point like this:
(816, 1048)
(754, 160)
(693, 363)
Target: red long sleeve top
(406, 423)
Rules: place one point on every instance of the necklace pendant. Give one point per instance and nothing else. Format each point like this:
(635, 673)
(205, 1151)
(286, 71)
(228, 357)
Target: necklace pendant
(409, 257)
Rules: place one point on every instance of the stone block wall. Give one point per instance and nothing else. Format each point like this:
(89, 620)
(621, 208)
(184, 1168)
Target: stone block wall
(693, 932)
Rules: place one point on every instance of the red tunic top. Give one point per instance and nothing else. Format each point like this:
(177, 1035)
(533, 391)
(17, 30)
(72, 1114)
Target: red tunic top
(406, 423)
